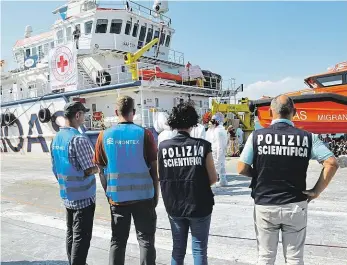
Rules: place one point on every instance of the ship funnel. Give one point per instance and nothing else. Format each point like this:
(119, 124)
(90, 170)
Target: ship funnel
(28, 31)
(161, 6)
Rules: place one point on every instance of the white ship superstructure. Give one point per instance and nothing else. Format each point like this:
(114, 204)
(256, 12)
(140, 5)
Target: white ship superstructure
(94, 53)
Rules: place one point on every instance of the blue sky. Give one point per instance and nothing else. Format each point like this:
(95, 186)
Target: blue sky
(261, 44)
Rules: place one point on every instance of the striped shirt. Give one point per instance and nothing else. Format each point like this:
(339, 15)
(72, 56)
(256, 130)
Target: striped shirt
(81, 157)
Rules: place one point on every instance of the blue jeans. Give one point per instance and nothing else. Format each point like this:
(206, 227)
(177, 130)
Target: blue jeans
(199, 228)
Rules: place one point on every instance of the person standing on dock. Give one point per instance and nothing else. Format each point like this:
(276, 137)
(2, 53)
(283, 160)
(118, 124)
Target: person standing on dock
(127, 153)
(280, 157)
(186, 173)
(72, 164)
(219, 140)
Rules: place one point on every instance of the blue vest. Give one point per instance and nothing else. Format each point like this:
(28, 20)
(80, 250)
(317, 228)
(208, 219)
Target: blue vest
(73, 184)
(127, 173)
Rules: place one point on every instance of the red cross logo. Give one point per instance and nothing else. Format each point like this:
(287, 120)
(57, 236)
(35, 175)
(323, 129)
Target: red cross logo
(62, 63)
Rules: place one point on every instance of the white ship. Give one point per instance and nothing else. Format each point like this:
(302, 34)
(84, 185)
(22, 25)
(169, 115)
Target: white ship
(94, 53)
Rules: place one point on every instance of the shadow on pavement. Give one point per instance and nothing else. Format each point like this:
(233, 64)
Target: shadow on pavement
(43, 262)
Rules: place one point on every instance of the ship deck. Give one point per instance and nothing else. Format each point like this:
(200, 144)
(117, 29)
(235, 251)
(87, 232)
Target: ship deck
(33, 220)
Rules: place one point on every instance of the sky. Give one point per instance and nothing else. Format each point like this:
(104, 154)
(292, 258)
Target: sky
(270, 47)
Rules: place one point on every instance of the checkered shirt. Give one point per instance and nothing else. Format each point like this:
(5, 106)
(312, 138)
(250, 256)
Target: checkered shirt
(81, 157)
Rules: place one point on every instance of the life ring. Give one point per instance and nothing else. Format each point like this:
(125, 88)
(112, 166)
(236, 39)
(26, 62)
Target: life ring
(44, 115)
(103, 79)
(9, 118)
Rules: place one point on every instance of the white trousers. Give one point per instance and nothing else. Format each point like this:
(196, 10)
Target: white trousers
(291, 220)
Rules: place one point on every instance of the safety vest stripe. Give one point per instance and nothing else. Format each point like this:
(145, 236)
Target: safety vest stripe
(72, 178)
(130, 188)
(127, 175)
(82, 188)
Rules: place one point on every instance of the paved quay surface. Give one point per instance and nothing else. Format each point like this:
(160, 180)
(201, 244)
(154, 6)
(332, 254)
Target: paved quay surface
(33, 220)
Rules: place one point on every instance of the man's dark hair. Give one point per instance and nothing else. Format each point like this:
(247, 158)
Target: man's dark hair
(184, 116)
(284, 109)
(70, 116)
(125, 105)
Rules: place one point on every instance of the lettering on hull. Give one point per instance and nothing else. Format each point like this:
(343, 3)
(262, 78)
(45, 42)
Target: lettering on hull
(334, 117)
(33, 123)
(300, 116)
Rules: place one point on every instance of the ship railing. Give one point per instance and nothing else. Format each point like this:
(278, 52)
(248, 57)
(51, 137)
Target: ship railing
(176, 56)
(146, 71)
(83, 42)
(34, 90)
(137, 9)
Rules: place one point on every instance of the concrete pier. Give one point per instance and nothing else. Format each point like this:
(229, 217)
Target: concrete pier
(33, 220)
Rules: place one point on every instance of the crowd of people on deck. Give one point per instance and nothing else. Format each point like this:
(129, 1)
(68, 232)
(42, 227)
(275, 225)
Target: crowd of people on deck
(338, 145)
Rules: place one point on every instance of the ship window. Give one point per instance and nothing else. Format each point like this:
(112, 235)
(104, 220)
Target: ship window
(52, 44)
(17, 55)
(162, 38)
(156, 34)
(149, 35)
(142, 36)
(135, 29)
(41, 55)
(156, 102)
(88, 27)
(167, 42)
(27, 52)
(128, 28)
(68, 34)
(101, 26)
(332, 80)
(116, 26)
(60, 36)
(33, 51)
(45, 48)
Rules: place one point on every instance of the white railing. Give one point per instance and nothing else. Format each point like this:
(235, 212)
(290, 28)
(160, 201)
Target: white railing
(176, 57)
(39, 89)
(91, 77)
(136, 8)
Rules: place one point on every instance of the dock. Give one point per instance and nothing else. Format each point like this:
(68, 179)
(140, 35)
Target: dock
(33, 220)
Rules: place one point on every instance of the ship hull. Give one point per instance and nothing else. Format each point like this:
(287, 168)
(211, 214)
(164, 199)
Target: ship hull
(317, 113)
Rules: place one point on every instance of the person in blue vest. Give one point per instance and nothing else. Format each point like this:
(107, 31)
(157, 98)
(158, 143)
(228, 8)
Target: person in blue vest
(127, 155)
(277, 158)
(72, 165)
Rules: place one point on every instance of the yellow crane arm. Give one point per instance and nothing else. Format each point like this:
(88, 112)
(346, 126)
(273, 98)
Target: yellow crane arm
(246, 120)
(131, 58)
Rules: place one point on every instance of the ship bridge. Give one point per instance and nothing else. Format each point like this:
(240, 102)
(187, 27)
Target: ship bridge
(120, 26)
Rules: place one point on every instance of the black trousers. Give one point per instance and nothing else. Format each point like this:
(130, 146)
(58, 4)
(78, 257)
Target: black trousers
(145, 221)
(79, 233)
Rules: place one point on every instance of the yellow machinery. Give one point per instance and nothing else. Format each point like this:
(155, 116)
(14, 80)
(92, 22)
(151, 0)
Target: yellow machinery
(241, 111)
(132, 58)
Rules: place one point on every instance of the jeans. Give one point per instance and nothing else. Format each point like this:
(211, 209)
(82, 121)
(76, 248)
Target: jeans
(79, 233)
(291, 220)
(199, 228)
(145, 220)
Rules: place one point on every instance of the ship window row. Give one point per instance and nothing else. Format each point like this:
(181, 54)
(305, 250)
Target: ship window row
(40, 51)
(146, 33)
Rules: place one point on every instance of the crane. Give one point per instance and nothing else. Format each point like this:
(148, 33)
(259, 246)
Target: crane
(132, 58)
(247, 119)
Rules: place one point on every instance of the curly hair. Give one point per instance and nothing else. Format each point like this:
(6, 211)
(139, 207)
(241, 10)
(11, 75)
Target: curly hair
(184, 116)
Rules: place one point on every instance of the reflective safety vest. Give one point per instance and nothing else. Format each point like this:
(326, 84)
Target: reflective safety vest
(127, 173)
(73, 184)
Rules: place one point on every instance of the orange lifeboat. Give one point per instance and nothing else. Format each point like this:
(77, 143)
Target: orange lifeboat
(150, 74)
(320, 109)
